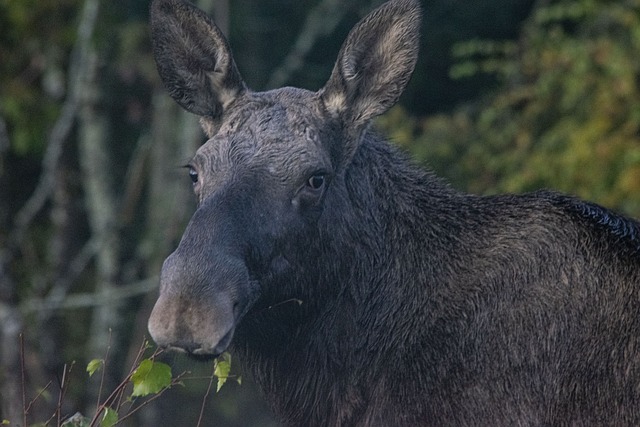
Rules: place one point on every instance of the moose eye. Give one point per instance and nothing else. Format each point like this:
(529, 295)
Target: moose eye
(193, 175)
(316, 182)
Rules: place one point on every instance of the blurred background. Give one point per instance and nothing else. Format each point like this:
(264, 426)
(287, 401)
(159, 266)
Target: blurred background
(508, 96)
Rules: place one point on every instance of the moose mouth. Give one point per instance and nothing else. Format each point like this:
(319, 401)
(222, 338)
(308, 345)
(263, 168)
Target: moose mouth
(200, 352)
(201, 329)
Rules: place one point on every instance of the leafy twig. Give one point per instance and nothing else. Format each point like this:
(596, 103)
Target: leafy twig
(175, 381)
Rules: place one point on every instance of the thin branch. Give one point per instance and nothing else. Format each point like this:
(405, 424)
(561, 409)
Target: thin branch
(175, 381)
(40, 393)
(66, 372)
(83, 300)
(206, 395)
(119, 390)
(64, 124)
(321, 21)
(58, 293)
(104, 370)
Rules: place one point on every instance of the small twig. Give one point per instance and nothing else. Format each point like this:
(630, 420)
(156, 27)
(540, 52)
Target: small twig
(63, 383)
(175, 381)
(112, 397)
(116, 394)
(206, 395)
(136, 362)
(40, 393)
(104, 369)
(60, 392)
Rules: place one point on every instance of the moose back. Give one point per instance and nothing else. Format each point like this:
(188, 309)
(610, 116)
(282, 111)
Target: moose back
(359, 289)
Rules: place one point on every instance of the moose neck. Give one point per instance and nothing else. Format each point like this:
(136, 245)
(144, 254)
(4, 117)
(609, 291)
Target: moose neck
(319, 348)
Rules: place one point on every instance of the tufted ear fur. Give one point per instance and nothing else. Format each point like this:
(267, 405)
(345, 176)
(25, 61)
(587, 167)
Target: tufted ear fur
(374, 64)
(194, 60)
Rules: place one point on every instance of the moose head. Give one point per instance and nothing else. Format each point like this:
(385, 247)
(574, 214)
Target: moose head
(273, 163)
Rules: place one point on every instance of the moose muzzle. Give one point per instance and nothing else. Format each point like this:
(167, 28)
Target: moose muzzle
(203, 295)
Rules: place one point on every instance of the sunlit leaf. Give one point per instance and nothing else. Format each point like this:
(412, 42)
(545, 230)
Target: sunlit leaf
(222, 369)
(109, 418)
(94, 365)
(150, 377)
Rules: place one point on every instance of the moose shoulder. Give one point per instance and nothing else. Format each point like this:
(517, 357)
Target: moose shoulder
(421, 305)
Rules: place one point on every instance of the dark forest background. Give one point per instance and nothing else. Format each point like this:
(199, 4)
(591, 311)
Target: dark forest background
(508, 96)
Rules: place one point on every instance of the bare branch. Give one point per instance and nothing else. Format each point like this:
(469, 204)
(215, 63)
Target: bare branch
(83, 300)
(321, 21)
(206, 395)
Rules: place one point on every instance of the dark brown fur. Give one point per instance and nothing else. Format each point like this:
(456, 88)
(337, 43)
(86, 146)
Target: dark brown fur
(421, 305)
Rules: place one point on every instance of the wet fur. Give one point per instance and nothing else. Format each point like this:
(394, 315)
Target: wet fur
(420, 304)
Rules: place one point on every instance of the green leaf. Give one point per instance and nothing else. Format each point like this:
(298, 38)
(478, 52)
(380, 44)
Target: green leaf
(222, 369)
(150, 377)
(5, 422)
(109, 418)
(94, 365)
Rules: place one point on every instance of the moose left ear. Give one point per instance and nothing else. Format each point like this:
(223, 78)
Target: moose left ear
(374, 64)
(194, 60)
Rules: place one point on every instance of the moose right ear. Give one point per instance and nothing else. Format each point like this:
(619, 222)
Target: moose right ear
(194, 60)
(375, 63)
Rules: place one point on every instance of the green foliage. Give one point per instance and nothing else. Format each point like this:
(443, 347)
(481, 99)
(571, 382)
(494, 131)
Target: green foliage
(567, 115)
(94, 365)
(147, 381)
(109, 418)
(483, 56)
(36, 37)
(222, 369)
(150, 377)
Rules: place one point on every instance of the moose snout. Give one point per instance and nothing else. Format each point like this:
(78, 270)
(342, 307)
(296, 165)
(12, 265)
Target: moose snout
(193, 327)
(200, 304)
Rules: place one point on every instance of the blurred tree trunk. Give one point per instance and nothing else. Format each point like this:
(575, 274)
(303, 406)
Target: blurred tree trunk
(102, 207)
(10, 375)
(10, 318)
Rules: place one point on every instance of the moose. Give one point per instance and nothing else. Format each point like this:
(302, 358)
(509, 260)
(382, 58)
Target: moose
(360, 289)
